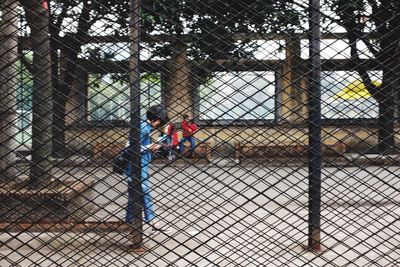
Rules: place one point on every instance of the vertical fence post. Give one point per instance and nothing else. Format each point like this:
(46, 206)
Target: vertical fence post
(314, 104)
(134, 129)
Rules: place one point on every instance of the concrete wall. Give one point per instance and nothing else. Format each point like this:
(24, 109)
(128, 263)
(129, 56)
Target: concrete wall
(82, 140)
(179, 99)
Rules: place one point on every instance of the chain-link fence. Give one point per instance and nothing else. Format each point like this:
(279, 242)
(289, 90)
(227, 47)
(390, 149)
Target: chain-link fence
(247, 133)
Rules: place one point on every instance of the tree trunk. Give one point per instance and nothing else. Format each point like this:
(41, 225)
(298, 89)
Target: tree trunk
(386, 124)
(68, 60)
(57, 129)
(387, 108)
(37, 19)
(67, 63)
(8, 87)
(390, 51)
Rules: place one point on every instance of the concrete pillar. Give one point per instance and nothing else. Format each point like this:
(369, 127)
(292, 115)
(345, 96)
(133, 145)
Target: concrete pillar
(179, 96)
(76, 103)
(293, 93)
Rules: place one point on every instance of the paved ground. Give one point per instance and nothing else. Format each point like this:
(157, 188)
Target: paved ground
(238, 215)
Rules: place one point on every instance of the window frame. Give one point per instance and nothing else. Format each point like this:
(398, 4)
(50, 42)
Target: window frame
(109, 124)
(341, 121)
(270, 65)
(244, 122)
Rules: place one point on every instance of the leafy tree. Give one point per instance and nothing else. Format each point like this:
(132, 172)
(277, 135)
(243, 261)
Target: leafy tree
(382, 19)
(207, 28)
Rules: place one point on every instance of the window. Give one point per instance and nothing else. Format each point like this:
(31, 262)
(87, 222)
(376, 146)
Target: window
(109, 98)
(24, 106)
(240, 95)
(344, 96)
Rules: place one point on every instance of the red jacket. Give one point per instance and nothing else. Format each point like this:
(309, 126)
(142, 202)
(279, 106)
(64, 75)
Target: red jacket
(170, 131)
(188, 128)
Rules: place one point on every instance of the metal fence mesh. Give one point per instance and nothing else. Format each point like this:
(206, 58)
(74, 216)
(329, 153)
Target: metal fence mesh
(280, 149)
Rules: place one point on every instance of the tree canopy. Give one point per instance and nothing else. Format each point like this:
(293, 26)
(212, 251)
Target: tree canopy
(207, 27)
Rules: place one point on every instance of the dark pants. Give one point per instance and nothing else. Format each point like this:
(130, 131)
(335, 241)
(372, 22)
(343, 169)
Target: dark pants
(192, 144)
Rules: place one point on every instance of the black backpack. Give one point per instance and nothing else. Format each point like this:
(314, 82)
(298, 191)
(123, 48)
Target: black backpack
(121, 160)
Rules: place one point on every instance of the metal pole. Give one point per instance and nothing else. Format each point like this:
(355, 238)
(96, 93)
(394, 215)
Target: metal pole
(314, 105)
(134, 131)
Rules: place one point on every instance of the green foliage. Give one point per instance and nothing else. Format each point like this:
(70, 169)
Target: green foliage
(369, 8)
(97, 54)
(206, 24)
(209, 26)
(113, 14)
(111, 85)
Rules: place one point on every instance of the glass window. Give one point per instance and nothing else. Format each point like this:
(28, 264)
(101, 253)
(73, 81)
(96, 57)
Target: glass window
(344, 96)
(240, 95)
(24, 105)
(109, 97)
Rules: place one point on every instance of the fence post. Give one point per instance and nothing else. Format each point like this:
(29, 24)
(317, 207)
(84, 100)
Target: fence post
(134, 131)
(314, 102)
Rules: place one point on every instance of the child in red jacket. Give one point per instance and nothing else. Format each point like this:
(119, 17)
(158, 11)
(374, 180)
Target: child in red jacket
(188, 129)
(172, 134)
(171, 142)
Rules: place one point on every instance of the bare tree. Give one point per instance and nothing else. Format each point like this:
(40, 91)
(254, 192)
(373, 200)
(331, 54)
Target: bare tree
(8, 86)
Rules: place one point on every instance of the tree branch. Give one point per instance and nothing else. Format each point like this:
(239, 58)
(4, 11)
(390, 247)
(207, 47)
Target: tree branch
(61, 17)
(370, 47)
(83, 22)
(348, 17)
(26, 63)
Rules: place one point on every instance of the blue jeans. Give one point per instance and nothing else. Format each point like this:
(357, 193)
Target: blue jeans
(183, 140)
(149, 213)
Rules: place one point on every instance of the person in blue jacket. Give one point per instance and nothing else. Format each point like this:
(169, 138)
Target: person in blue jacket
(156, 117)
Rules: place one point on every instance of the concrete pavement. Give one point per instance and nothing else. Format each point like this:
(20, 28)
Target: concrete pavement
(238, 215)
